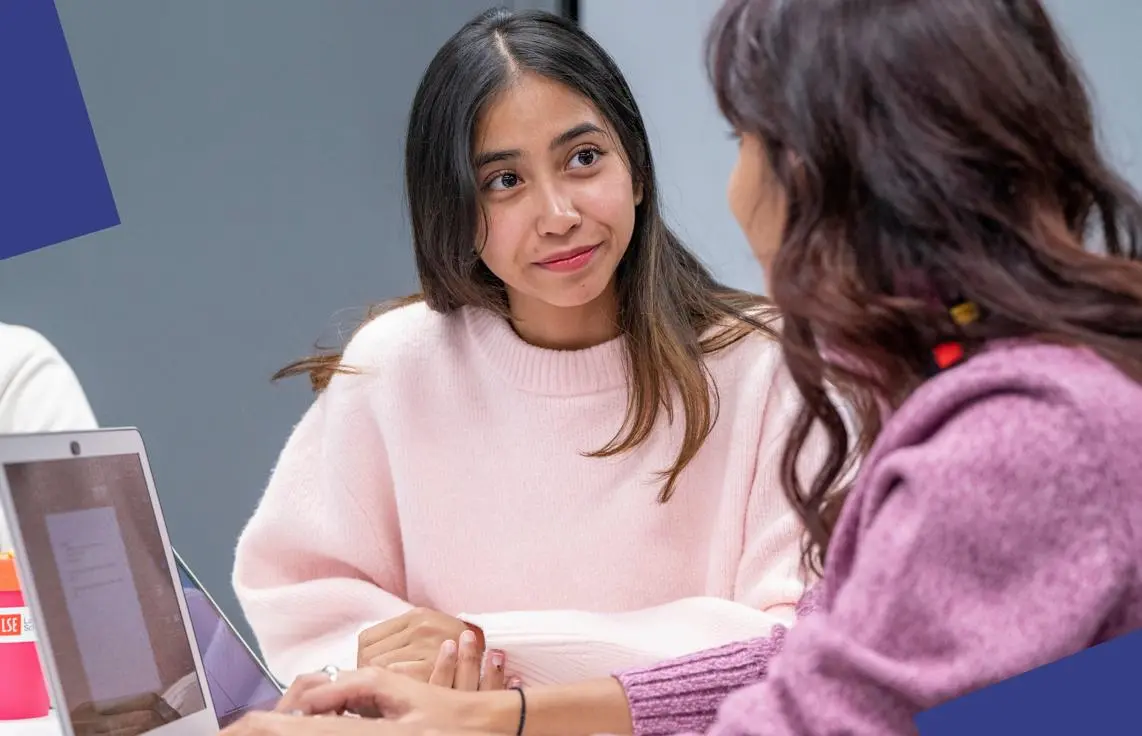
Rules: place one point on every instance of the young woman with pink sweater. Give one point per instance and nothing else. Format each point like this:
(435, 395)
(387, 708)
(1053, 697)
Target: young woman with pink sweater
(566, 452)
(920, 179)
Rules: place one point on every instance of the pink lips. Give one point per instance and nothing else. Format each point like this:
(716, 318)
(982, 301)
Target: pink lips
(571, 260)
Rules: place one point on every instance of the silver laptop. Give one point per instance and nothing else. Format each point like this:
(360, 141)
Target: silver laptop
(102, 584)
(239, 681)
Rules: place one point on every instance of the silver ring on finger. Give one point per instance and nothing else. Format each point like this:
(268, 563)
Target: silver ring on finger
(331, 671)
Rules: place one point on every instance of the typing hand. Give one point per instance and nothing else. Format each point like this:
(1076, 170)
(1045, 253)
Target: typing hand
(375, 692)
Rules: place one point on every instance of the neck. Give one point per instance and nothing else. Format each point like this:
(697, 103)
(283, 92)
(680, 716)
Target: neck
(566, 328)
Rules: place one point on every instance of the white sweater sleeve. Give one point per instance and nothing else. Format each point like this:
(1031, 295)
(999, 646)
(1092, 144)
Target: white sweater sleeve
(321, 558)
(39, 392)
(545, 647)
(771, 576)
(551, 647)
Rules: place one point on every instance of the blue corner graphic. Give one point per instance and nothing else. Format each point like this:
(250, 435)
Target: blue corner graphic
(53, 186)
(1093, 692)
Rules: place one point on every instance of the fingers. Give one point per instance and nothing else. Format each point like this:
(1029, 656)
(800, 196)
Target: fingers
(467, 663)
(458, 667)
(350, 692)
(288, 702)
(493, 678)
(444, 671)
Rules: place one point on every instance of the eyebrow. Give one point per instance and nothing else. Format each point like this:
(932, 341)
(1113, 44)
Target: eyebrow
(487, 157)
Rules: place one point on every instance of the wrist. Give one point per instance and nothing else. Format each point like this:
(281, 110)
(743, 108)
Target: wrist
(492, 712)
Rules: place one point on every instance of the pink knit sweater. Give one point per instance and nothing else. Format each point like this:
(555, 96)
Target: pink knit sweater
(449, 473)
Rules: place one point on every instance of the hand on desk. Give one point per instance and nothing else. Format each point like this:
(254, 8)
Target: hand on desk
(409, 644)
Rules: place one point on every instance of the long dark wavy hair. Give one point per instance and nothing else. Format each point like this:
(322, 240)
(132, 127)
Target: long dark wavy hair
(932, 152)
(671, 310)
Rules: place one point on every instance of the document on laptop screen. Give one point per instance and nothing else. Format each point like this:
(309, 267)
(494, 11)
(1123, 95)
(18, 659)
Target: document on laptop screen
(110, 604)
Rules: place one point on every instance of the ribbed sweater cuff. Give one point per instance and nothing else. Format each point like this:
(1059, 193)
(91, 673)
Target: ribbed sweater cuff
(685, 694)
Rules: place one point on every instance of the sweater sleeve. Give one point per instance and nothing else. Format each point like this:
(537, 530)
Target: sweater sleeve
(995, 546)
(559, 646)
(39, 392)
(685, 693)
(42, 392)
(548, 647)
(770, 575)
(321, 558)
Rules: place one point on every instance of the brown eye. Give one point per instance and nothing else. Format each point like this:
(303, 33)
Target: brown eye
(506, 180)
(585, 158)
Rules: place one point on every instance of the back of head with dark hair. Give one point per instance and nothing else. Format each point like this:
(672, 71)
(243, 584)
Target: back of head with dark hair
(932, 152)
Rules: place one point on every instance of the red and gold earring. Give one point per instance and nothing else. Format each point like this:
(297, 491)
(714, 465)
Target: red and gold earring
(947, 354)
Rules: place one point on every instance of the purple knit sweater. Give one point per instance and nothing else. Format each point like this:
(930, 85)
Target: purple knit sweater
(991, 531)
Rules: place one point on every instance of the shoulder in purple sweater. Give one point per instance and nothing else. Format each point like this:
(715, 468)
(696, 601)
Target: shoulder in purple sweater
(990, 532)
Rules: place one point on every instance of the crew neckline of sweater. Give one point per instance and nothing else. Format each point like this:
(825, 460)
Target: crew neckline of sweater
(540, 370)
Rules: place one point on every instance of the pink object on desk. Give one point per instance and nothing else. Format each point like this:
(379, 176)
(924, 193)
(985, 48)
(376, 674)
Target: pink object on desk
(22, 691)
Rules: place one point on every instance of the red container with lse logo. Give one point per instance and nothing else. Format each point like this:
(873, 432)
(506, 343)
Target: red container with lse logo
(22, 691)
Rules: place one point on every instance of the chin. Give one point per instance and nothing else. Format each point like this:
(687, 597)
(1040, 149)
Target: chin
(577, 296)
(574, 301)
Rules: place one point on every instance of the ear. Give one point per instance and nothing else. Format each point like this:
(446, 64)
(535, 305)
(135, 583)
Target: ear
(638, 194)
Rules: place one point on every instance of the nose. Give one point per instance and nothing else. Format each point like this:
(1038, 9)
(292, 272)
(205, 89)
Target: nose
(557, 212)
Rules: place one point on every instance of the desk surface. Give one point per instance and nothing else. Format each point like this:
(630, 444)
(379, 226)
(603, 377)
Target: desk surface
(36, 727)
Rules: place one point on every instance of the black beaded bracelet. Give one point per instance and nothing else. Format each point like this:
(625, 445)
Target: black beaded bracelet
(522, 710)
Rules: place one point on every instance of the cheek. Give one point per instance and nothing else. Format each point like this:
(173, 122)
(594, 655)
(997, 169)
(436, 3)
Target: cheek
(768, 227)
(500, 240)
(734, 194)
(744, 188)
(756, 204)
(610, 202)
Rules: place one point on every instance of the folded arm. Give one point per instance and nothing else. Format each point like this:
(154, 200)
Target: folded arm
(561, 646)
(321, 559)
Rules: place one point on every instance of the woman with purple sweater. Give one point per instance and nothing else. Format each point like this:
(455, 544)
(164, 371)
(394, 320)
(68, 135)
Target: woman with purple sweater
(919, 179)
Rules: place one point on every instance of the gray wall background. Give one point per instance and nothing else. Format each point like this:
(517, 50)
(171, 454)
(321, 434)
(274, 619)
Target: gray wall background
(660, 51)
(254, 149)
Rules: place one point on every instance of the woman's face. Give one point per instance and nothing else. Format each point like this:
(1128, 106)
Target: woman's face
(557, 194)
(757, 200)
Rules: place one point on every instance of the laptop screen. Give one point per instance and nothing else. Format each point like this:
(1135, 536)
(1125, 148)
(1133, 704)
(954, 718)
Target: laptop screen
(238, 683)
(109, 603)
